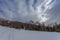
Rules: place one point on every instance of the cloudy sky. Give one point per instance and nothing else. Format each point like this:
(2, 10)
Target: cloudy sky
(44, 11)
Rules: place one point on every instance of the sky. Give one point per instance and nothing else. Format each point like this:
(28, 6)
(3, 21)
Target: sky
(43, 11)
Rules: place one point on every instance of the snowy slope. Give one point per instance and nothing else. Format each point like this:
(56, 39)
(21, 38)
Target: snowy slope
(14, 34)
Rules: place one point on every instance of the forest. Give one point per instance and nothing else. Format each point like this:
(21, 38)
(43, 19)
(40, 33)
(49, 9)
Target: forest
(30, 26)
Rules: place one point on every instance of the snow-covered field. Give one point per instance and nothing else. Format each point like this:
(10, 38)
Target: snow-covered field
(15, 34)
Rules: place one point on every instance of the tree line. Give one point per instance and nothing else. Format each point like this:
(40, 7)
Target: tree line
(30, 26)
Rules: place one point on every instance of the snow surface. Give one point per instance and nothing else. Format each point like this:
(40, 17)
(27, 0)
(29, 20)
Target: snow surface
(15, 34)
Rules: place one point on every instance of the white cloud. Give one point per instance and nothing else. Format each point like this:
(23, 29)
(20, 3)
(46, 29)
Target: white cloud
(42, 9)
(20, 11)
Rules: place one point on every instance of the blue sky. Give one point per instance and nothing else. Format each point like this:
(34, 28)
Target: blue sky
(44, 11)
